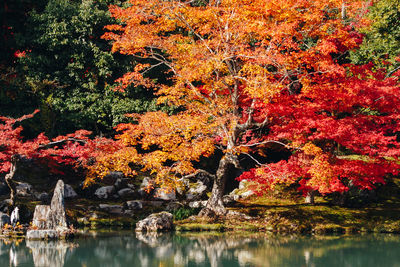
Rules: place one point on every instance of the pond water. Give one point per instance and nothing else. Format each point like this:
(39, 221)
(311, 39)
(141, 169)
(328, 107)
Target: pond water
(205, 249)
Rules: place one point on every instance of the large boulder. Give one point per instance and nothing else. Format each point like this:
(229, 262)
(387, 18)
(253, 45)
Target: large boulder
(42, 234)
(50, 221)
(105, 192)
(126, 193)
(57, 214)
(162, 221)
(196, 191)
(41, 217)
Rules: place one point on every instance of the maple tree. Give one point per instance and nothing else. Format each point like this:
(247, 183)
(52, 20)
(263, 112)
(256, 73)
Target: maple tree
(76, 149)
(251, 75)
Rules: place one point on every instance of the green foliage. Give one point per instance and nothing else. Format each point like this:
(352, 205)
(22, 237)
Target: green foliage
(382, 39)
(184, 212)
(70, 69)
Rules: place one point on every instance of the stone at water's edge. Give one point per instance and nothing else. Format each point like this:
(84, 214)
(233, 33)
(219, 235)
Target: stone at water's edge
(42, 234)
(41, 217)
(50, 221)
(57, 207)
(162, 221)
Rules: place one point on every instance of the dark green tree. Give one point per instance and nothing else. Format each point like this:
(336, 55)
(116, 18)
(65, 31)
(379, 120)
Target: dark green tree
(381, 44)
(71, 70)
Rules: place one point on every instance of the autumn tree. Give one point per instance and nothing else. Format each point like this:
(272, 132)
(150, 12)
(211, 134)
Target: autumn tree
(248, 76)
(75, 150)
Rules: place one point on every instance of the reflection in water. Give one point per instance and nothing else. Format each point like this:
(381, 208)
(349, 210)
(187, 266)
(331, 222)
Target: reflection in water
(205, 249)
(49, 254)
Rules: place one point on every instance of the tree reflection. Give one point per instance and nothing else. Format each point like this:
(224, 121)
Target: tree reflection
(204, 249)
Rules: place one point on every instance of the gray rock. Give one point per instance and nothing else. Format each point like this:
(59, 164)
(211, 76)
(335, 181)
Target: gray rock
(240, 194)
(42, 234)
(196, 191)
(161, 194)
(4, 219)
(57, 214)
(126, 193)
(41, 217)
(173, 206)
(115, 209)
(69, 192)
(198, 204)
(50, 218)
(162, 221)
(112, 177)
(134, 204)
(24, 189)
(105, 192)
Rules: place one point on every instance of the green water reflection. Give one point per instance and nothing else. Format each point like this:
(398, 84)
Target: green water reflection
(164, 250)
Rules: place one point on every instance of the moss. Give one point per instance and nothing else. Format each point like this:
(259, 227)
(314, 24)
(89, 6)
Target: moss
(199, 227)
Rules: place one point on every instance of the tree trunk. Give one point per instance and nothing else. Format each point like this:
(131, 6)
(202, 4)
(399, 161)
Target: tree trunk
(9, 178)
(215, 204)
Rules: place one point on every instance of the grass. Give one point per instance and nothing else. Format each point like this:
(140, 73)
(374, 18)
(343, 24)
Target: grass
(289, 214)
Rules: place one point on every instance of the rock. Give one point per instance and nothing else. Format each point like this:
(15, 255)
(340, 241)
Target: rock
(40, 216)
(112, 177)
(24, 189)
(105, 192)
(162, 221)
(160, 193)
(121, 183)
(243, 184)
(228, 200)
(240, 194)
(126, 193)
(146, 187)
(42, 234)
(134, 204)
(174, 206)
(57, 207)
(196, 191)
(4, 219)
(184, 185)
(115, 209)
(69, 192)
(50, 220)
(198, 204)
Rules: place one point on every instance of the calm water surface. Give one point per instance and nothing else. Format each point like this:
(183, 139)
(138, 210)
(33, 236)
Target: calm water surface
(205, 249)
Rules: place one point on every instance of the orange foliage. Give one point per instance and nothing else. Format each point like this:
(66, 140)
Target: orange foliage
(240, 66)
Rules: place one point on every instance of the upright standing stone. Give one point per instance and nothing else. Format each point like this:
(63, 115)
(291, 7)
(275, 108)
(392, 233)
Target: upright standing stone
(50, 220)
(41, 217)
(57, 208)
